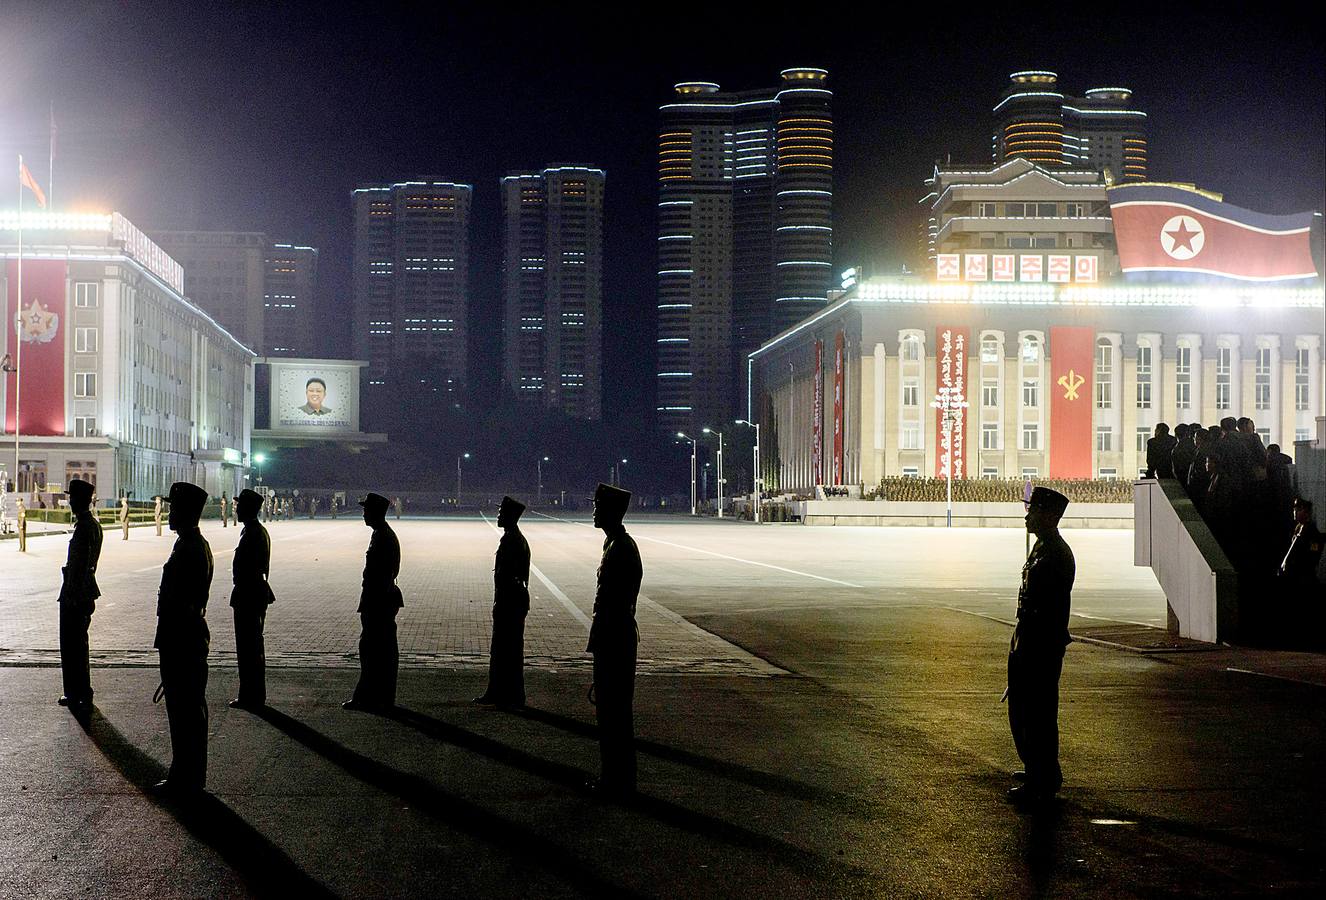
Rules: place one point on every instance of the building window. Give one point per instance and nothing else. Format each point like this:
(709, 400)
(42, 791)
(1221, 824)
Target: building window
(911, 349)
(1302, 434)
(1224, 369)
(1104, 439)
(1301, 379)
(1014, 209)
(1030, 436)
(1265, 435)
(911, 393)
(1045, 242)
(990, 395)
(990, 350)
(989, 472)
(1074, 210)
(1109, 474)
(1143, 375)
(1143, 435)
(1104, 375)
(1183, 377)
(1030, 472)
(1031, 350)
(1019, 241)
(85, 384)
(1031, 393)
(83, 471)
(1262, 379)
(85, 340)
(911, 472)
(911, 437)
(85, 426)
(1046, 210)
(985, 210)
(989, 436)
(86, 294)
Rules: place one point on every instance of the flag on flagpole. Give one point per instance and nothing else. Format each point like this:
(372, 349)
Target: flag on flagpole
(26, 180)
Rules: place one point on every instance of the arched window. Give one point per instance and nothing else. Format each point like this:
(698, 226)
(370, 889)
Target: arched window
(1031, 349)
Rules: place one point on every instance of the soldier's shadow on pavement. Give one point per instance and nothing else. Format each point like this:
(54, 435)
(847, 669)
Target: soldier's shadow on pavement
(786, 854)
(445, 807)
(1040, 844)
(264, 867)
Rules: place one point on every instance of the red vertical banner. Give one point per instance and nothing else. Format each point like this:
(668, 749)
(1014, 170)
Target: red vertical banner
(817, 418)
(39, 321)
(1070, 394)
(838, 409)
(951, 372)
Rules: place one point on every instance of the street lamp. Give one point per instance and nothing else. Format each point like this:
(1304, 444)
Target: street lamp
(720, 468)
(693, 446)
(539, 462)
(619, 467)
(259, 459)
(950, 403)
(756, 482)
(458, 459)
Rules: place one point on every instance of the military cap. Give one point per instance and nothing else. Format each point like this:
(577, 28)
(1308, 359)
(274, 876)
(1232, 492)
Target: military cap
(187, 496)
(609, 498)
(249, 498)
(513, 506)
(1052, 502)
(375, 503)
(80, 489)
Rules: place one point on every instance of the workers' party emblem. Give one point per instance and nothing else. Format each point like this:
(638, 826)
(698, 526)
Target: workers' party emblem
(37, 324)
(1070, 383)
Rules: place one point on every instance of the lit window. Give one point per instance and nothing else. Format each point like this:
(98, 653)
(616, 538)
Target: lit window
(1104, 375)
(1143, 375)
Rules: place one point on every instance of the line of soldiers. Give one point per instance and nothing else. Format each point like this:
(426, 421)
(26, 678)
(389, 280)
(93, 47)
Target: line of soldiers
(183, 638)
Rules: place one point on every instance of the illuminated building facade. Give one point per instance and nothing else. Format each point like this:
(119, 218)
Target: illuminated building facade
(745, 233)
(288, 286)
(1103, 129)
(125, 382)
(552, 287)
(411, 284)
(1062, 381)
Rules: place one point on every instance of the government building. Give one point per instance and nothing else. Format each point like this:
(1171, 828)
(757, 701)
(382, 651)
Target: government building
(125, 382)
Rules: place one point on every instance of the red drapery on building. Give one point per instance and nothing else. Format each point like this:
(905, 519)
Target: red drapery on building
(951, 372)
(42, 321)
(1070, 394)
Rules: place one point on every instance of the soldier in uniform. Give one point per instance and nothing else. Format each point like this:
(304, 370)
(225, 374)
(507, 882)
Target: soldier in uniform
(249, 600)
(225, 510)
(183, 640)
(1036, 655)
(506, 661)
(78, 596)
(156, 514)
(613, 638)
(379, 602)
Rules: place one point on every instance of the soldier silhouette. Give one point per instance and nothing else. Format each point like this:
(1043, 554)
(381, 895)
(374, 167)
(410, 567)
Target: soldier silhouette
(613, 637)
(156, 514)
(78, 596)
(225, 510)
(1036, 654)
(506, 660)
(183, 640)
(379, 601)
(249, 600)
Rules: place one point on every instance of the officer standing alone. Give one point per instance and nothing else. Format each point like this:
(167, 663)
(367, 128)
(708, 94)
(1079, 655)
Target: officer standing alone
(249, 600)
(506, 661)
(78, 596)
(379, 601)
(1036, 655)
(613, 639)
(183, 640)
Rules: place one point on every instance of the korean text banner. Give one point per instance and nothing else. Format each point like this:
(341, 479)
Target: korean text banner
(951, 372)
(838, 409)
(40, 322)
(1071, 398)
(1165, 233)
(315, 398)
(817, 417)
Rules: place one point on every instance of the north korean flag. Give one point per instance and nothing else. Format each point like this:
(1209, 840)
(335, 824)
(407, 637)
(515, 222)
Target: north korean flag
(1182, 233)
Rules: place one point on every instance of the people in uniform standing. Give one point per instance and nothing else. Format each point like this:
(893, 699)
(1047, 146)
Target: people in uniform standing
(613, 639)
(1036, 654)
(249, 599)
(506, 660)
(379, 601)
(78, 597)
(183, 640)
(225, 510)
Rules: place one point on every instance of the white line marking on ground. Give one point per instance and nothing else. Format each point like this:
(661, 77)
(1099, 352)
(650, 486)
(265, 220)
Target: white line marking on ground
(1124, 621)
(1277, 677)
(749, 562)
(576, 612)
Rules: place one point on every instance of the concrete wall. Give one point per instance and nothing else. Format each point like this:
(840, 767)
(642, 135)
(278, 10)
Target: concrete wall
(971, 515)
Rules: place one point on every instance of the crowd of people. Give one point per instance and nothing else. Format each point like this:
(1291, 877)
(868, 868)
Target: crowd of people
(1247, 494)
(1001, 490)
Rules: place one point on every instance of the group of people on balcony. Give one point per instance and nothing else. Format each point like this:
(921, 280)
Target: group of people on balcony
(1247, 494)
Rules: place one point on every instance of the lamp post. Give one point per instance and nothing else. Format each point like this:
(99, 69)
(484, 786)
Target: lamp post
(693, 447)
(259, 459)
(756, 482)
(950, 403)
(619, 467)
(539, 462)
(720, 468)
(458, 459)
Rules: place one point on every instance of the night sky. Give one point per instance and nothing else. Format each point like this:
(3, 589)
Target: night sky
(266, 118)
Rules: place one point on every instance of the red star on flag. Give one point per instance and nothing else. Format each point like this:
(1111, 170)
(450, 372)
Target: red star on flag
(1183, 237)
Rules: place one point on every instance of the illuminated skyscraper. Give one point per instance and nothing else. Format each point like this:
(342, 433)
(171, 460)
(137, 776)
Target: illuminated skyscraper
(745, 234)
(288, 322)
(1102, 130)
(411, 283)
(552, 287)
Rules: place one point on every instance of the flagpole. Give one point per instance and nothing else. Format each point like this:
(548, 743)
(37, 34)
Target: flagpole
(18, 334)
(50, 175)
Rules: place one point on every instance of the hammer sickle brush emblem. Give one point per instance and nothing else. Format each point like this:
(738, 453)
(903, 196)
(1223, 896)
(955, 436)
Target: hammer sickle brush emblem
(1070, 383)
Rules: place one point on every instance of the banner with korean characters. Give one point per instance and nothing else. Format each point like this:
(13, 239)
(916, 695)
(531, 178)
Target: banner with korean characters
(951, 372)
(1055, 268)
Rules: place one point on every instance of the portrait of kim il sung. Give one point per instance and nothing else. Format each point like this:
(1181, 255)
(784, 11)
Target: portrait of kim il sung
(315, 396)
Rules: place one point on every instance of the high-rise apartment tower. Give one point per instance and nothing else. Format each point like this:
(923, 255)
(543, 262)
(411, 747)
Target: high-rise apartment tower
(552, 287)
(288, 322)
(745, 234)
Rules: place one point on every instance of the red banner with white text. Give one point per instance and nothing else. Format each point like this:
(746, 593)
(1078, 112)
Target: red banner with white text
(951, 373)
(39, 322)
(838, 409)
(817, 418)
(1072, 355)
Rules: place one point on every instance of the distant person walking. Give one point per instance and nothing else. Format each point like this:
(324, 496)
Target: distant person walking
(183, 640)
(613, 639)
(249, 600)
(380, 600)
(156, 514)
(78, 597)
(124, 515)
(1036, 655)
(225, 510)
(506, 659)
